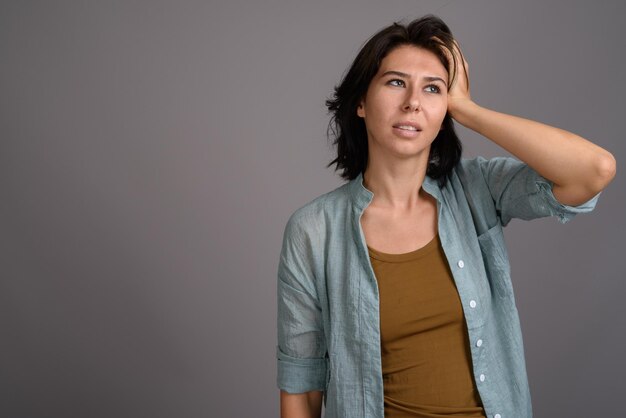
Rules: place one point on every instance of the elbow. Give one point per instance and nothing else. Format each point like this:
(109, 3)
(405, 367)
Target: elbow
(594, 179)
(605, 168)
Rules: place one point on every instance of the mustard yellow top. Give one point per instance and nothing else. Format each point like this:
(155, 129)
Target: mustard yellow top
(426, 360)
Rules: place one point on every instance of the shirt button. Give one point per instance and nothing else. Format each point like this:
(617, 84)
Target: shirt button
(472, 303)
(482, 377)
(461, 264)
(496, 416)
(479, 343)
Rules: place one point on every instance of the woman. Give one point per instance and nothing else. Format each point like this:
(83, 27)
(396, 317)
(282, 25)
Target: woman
(394, 289)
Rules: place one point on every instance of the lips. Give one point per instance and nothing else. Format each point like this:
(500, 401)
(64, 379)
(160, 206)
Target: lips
(408, 126)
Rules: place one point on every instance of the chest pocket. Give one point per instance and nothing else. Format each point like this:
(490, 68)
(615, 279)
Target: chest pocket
(496, 260)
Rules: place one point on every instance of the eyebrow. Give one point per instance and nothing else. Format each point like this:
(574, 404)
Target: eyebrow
(405, 75)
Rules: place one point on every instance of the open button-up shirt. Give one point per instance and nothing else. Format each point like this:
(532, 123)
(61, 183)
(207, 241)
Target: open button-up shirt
(328, 301)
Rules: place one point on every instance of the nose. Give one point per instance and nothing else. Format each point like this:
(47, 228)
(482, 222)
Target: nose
(412, 103)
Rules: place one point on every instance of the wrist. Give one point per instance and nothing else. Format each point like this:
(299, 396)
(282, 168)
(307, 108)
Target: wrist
(460, 108)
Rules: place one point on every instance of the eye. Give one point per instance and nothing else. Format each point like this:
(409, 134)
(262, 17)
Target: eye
(435, 87)
(395, 79)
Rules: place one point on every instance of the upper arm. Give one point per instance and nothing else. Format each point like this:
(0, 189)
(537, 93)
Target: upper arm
(301, 351)
(518, 191)
(569, 195)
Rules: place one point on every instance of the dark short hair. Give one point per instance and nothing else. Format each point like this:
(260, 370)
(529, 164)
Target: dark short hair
(348, 129)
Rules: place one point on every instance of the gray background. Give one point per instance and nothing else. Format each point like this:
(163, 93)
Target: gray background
(151, 153)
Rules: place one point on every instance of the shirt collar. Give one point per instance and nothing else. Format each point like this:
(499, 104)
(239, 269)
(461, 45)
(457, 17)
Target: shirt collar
(362, 196)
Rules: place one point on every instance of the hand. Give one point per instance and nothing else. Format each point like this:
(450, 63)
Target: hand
(460, 87)
(459, 92)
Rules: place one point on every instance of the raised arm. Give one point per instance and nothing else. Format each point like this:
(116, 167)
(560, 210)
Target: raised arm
(578, 168)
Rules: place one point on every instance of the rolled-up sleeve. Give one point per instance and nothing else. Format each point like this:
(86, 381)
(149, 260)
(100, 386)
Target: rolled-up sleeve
(520, 192)
(301, 351)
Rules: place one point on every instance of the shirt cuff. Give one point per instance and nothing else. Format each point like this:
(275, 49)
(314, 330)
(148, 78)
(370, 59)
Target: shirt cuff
(299, 375)
(564, 213)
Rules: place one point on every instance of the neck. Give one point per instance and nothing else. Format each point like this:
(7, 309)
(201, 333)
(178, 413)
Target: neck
(396, 186)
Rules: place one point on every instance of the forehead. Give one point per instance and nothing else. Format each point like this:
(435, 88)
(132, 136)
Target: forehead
(413, 60)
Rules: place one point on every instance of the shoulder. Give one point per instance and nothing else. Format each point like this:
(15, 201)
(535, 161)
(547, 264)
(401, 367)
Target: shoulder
(312, 216)
(492, 174)
(480, 185)
(481, 167)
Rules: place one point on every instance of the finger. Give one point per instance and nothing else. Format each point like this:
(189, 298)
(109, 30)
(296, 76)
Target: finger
(462, 62)
(458, 60)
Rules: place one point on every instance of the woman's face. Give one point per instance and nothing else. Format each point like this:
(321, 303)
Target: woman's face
(410, 88)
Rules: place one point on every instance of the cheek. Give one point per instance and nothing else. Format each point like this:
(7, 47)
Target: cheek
(437, 116)
(379, 113)
(442, 111)
(436, 104)
(443, 116)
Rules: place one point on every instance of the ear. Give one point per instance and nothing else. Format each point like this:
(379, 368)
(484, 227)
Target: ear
(359, 110)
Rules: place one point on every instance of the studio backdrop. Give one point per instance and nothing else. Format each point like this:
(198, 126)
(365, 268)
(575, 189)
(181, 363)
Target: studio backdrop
(151, 153)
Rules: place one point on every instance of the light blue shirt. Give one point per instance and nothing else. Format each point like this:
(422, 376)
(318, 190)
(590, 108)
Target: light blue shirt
(328, 301)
